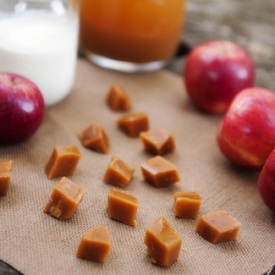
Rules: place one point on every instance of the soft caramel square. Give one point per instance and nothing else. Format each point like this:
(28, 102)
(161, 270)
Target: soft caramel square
(118, 173)
(133, 124)
(163, 243)
(62, 162)
(95, 245)
(5, 174)
(122, 206)
(217, 227)
(160, 172)
(117, 99)
(64, 199)
(95, 138)
(158, 141)
(187, 204)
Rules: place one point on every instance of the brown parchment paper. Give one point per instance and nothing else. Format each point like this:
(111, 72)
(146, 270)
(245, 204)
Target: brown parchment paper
(35, 243)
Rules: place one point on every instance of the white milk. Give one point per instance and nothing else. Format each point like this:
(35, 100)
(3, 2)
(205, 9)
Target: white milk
(42, 49)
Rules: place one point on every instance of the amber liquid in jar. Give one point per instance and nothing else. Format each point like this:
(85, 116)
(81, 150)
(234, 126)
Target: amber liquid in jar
(136, 31)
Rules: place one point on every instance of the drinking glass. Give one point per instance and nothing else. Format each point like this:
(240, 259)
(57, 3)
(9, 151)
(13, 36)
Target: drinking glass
(38, 40)
(130, 35)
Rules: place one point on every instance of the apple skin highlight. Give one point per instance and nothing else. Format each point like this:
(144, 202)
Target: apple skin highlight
(21, 108)
(246, 134)
(215, 72)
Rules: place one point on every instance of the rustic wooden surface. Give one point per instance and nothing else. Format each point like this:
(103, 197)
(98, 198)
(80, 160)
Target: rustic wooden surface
(249, 23)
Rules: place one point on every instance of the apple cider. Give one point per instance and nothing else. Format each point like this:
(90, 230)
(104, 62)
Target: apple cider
(138, 31)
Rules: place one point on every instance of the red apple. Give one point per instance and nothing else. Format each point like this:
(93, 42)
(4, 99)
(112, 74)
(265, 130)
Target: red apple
(266, 182)
(21, 108)
(246, 134)
(215, 72)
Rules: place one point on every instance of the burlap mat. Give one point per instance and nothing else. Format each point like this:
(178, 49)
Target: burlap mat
(35, 243)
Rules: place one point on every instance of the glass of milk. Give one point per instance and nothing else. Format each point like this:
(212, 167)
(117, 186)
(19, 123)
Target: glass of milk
(38, 40)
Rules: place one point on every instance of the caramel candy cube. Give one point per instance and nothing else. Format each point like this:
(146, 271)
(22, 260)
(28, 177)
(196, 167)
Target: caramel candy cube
(62, 162)
(95, 245)
(218, 227)
(122, 206)
(158, 141)
(160, 172)
(133, 124)
(118, 173)
(5, 174)
(64, 199)
(95, 138)
(187, 204)
(163, 243)
(117, 99)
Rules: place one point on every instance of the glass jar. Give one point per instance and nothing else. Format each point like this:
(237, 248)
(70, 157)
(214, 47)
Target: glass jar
(38, 40)
(130, 35)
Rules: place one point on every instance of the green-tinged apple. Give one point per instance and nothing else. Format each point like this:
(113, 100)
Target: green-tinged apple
(266, 182)
(246, 134)
(215, 72)
(21, 108)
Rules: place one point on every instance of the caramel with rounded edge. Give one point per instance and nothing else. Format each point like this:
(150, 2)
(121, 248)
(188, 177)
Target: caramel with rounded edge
(95, 138)
(158, 141)
(133, 124)
(95, 245)
(163, 243)
(62, 162)
(117, 99)
(122, 206)
(217, 227)
(187, 204)
(64, 199)
(118, 173)
(160, 172)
